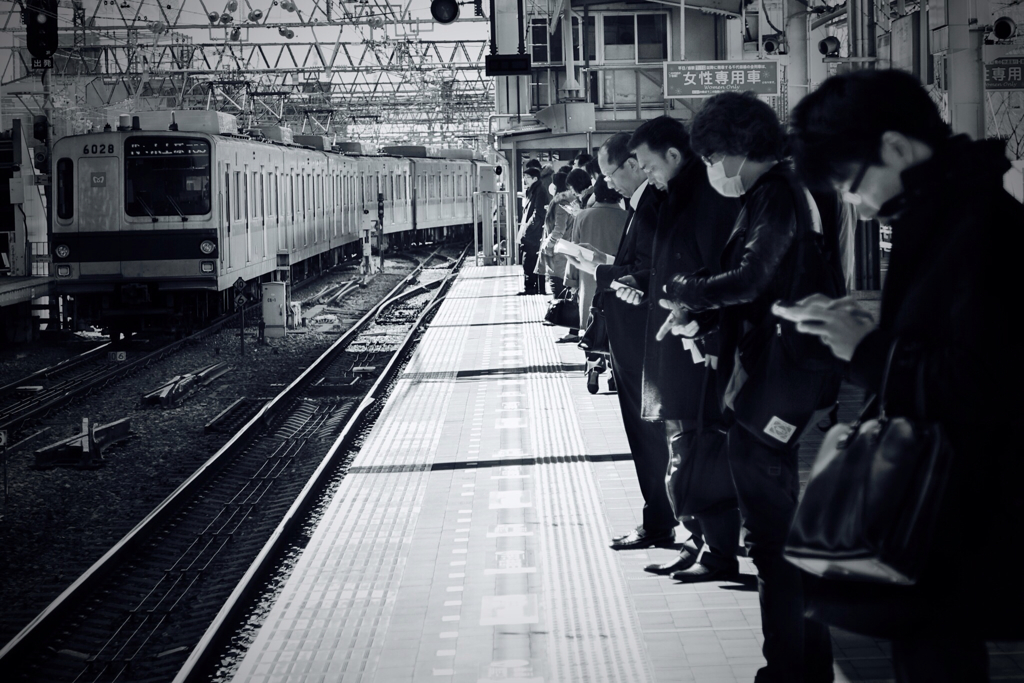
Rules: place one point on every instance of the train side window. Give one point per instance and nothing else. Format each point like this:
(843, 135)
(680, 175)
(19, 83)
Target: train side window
(65, 188)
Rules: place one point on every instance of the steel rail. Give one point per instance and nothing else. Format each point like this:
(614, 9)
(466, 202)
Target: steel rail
(198, 660)
(34, 633)
(64, 395)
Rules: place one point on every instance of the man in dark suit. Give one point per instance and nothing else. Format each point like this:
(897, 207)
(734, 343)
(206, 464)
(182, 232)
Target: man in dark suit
(626, 326)
(678, 386)
(532, 229)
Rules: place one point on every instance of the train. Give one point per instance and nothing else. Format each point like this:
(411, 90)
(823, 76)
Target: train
(157, 219)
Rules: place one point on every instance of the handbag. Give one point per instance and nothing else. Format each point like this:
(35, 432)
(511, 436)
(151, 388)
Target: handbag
(595, 338)
(699, 477)
(871, 506)
(791, 374)
(564, 311)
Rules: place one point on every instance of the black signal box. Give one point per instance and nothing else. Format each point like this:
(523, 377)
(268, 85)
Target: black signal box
(508, 65)
(41, 28)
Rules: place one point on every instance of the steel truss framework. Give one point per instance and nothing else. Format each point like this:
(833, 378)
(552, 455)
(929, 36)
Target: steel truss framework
(375, 78)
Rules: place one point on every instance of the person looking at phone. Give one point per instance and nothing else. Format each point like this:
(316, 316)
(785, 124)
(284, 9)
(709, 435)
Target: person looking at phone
(741, 142)
(878, 137)
(693, 224)
(625, 326)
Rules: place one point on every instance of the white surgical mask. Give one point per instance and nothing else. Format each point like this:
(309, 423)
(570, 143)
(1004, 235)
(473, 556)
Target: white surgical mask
(727, 186)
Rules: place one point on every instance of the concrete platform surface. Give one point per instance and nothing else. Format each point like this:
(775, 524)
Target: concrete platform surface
(469, 541)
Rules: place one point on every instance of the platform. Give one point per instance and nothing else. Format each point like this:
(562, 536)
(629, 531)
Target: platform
(469, 541)
(14, 290)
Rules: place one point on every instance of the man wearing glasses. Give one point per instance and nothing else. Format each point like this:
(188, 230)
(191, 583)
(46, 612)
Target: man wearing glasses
(626, 325)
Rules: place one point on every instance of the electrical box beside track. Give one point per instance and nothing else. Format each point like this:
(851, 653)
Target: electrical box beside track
(275, 309)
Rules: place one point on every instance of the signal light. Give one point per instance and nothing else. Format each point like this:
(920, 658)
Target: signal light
(41, 28)
(40, 128)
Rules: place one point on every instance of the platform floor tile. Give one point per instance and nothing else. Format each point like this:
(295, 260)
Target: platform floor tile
(468, 541)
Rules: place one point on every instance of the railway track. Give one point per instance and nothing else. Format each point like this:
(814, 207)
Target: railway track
(155, 604)
(59, 385)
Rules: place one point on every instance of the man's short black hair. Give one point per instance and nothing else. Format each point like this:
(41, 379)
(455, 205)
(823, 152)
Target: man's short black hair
(840, 124)
(582, 158)
(593, 168)
(661, 134)
(578, 179)
(532, 172)
(564, 168)
(738, 124)
(605, 194)
(533, 163)
(616, 148)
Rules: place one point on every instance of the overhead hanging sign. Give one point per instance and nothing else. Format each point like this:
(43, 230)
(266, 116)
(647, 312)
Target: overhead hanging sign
(704, 79)
(1005, 73)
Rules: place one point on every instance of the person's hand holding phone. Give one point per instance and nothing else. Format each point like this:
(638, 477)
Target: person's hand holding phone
(626, 289)
(841, 324)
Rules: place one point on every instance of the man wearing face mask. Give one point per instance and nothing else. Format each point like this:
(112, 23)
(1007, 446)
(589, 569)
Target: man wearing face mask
(741, 141)
(678, 387)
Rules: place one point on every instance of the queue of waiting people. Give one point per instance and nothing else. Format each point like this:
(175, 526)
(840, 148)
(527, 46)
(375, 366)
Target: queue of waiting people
(723, 294)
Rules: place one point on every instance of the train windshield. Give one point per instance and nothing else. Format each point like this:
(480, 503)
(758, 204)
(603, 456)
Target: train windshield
(166, 176)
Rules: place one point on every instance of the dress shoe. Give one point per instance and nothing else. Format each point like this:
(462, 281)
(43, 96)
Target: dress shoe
(687, 558)
(699, 573)
(525, 293)
(568, 339)
(640, 538)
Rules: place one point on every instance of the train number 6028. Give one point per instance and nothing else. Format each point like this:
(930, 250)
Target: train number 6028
(98, 149)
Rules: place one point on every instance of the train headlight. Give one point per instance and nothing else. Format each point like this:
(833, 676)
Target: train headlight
(64, 271)
(62, 251)
(207, 266)
(207, 246)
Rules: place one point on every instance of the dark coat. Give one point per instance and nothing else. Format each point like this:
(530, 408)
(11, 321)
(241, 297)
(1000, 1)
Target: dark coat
(950, 298)
(694, 223)
(752, 276)
(537, 200)
(626, 323)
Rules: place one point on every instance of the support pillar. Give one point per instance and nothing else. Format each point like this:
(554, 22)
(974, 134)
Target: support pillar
(796, 37)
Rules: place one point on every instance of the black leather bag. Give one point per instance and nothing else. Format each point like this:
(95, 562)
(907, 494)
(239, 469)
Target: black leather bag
(564, 312)
(791, 374)
(699, 477)
(595, 338)
(871, 507)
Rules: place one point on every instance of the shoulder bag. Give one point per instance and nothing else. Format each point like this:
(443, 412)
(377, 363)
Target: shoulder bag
(871, 507)
(790, 374)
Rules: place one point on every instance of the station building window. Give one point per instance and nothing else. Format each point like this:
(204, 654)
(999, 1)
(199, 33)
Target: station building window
(614, 39)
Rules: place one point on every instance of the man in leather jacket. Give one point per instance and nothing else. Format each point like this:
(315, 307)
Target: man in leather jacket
(741, 141)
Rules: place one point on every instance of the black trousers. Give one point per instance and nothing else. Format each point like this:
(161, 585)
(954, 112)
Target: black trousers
(719, 527)
(798, 650)
(647, 445)
(533, 283)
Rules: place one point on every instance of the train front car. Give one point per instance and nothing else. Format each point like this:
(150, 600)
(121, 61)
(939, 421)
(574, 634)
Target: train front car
(135, 243)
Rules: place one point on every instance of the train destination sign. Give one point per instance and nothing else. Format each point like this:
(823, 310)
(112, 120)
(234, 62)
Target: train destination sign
(704, 79)
(1006, 73)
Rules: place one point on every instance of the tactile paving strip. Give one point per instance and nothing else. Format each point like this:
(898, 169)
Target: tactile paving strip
(437, 561)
